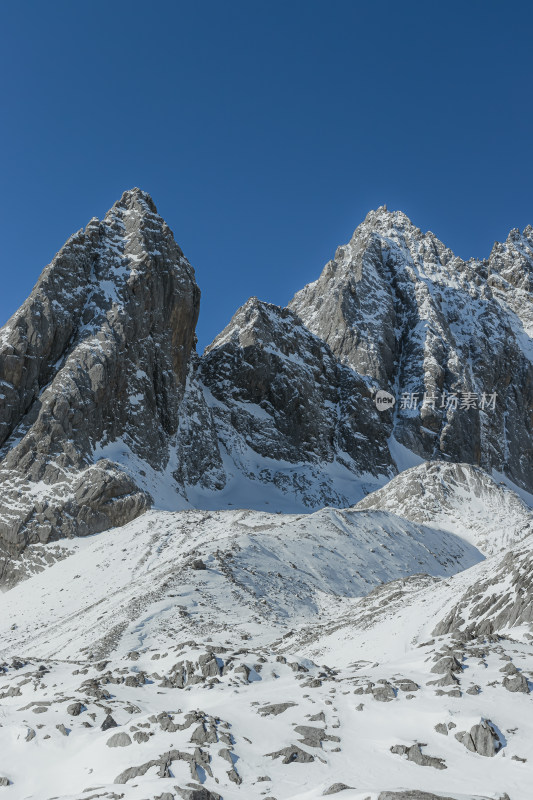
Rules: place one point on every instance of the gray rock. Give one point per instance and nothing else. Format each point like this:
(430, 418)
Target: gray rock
(384, 693)
(292, 755)
(516, 683)
(200, 793)
(313, 737)
(414, 754)
(108, 722)
(119, 740)
(335, 788)
(274, 709)
(482, 739)
(141, 737)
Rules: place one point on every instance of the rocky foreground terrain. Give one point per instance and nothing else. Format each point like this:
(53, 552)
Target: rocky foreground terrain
(229, 575)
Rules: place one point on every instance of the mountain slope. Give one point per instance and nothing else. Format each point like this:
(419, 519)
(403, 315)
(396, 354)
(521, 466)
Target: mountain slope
(458, 498)
(397, 306)
(264, 571)
(139, 673)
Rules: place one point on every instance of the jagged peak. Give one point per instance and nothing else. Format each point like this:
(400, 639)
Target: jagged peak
(382, 219)
(252, 314)
(136, 198)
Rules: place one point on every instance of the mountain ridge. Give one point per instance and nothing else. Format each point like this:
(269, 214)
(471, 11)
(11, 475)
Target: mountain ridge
(107, 410)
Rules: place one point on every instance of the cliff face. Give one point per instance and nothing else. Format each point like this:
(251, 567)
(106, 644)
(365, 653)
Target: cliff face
(98, 353)
(397, 306)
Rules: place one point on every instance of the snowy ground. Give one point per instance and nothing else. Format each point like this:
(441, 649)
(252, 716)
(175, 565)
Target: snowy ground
(292, 663)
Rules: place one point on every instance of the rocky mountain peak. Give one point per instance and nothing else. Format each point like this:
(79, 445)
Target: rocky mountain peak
(98, 353)
(400, 308)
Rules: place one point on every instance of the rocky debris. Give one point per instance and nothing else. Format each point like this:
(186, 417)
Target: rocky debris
(312, 736)
(119, 740)
(293, 754)
(414, 754)
(277, 708)
(198, 564)
(108, 722)
(335, 788)
(197, 793)
(164, 763)
(482, 739)
(516, 683)
(5, 781)
(75, 709)
(415, 794)
(480, 611)
(188, 673)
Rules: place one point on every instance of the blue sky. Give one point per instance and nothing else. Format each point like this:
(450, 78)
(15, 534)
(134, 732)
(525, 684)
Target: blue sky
(264, 131)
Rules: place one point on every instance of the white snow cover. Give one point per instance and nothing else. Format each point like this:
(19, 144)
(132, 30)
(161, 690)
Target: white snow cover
(305, 626)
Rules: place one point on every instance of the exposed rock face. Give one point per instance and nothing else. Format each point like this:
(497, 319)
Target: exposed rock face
(500, 598)
(277, 392)
(98, 354)
(481, 739)
(397, 306)
(458, 498)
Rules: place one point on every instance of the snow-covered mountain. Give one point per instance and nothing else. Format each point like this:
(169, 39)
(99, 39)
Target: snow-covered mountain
(396, 305)
(107, 410)
(458, 498)
(229, 575)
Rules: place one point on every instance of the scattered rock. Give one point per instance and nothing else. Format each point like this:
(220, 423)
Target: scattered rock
(293, 754)
(108, 722)
(481, 739)
(414, 753)
(119, 740)
(335, 788)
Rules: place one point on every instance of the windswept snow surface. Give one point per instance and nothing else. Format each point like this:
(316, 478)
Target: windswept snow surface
(265, 571)
(266, 674)
(458, 498)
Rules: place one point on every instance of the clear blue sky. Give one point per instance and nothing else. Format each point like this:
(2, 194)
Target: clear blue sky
(263, 130)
